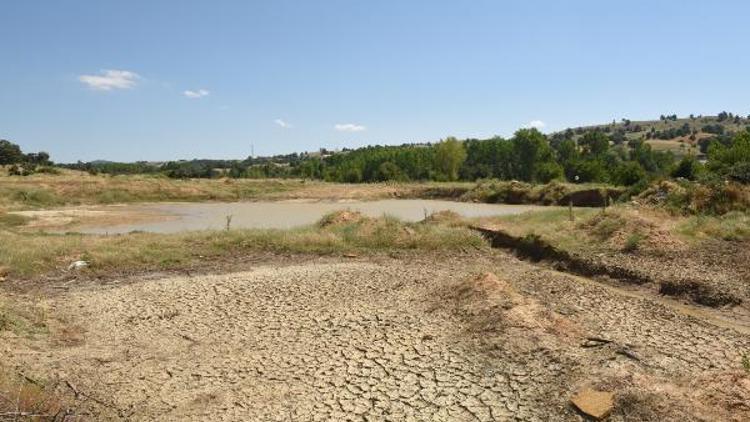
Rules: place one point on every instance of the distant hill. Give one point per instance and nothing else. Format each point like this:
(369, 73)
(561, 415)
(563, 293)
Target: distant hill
(681, 135)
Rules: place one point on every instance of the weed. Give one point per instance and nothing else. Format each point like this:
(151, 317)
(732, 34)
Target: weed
(632, 242)
(22, 398)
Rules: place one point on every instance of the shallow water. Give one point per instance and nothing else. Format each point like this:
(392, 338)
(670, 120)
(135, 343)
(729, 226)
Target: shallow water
(178, 217)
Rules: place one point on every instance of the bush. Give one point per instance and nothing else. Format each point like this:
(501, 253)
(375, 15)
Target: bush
(547, 172)
(688, 168)
(629, 174)
(740, 172)
(21, 170)
(47, 170)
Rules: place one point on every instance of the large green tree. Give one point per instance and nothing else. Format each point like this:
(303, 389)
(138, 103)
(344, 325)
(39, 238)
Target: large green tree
(449, 156)
(530, 150)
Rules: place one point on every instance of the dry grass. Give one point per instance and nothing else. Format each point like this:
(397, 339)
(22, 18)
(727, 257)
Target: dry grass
(734, 226)
(73, 188)
(552, 225)
(80, 188)
(28, 255)
(624, 228)
(22, 398)
(22, 320)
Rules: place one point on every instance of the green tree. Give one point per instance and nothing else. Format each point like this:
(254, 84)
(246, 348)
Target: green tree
(449, 156)
(530, 150)
(389, 171)
(731, 161)
(594, 143)
(10, 153)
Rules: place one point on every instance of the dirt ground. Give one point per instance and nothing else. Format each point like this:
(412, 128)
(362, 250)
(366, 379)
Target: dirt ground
(471, 338)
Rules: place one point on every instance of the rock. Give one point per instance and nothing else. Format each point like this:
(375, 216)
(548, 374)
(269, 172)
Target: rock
(596, 404)
(77, 265)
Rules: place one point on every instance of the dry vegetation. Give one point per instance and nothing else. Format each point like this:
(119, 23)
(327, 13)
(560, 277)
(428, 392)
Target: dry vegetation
(79, 188)
(42, 191)
(23, 397)
(32, 254)
(702, 258)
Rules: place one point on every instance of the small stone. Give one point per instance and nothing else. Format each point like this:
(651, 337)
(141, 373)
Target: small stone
(77, 265)
(597, 404)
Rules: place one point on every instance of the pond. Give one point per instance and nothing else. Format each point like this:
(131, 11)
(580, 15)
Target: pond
(180, 217)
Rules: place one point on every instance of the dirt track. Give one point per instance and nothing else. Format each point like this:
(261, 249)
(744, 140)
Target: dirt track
(390, 339)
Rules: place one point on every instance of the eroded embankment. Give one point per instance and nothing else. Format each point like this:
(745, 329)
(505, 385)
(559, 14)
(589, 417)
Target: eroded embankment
(536, 249)
(517, 193)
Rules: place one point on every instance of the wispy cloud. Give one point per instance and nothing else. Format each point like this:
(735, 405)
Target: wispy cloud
(535, 124)
(196, 94)
(349, 127)
(109, 79)
(282, 123)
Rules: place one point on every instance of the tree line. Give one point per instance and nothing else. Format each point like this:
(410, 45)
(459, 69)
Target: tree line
(529, 155)
(21, 163)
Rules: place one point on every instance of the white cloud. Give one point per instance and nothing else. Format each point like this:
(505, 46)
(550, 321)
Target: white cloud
(196, 94)
(282, 123)
(535, 124)
(349, 127)
(109, 79)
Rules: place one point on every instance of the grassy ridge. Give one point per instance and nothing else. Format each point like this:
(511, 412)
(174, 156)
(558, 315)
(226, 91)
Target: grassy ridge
(29, 255)
(78, 188)
(622, 228)
(73, 188)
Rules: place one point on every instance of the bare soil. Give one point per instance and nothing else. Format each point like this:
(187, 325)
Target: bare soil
(483, 337)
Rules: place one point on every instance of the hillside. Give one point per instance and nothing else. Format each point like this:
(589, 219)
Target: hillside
(680, 135)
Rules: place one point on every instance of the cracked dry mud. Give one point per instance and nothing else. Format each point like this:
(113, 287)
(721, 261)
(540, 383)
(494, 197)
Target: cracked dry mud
(429, 338)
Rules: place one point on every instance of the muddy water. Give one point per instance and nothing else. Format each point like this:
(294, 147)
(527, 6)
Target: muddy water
(178, 217)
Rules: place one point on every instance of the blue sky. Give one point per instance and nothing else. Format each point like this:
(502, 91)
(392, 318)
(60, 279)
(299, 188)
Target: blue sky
(154, 80)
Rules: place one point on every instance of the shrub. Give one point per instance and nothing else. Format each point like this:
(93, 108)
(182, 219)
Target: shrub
(740, 172)
(688, 168)
(47, 170)
(629, 174)
(632, 242)
(549, 171)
